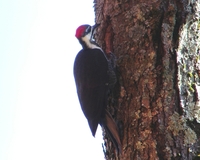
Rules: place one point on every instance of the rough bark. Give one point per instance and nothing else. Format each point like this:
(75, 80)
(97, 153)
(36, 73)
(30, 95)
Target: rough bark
(156, 102)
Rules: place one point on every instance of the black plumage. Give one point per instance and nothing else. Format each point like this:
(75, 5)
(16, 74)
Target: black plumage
(92, 79)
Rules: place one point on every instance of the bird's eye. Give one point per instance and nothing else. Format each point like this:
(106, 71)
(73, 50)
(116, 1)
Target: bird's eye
(88, 29)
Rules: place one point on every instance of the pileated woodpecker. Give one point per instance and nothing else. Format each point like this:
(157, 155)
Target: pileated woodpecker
(94, 77)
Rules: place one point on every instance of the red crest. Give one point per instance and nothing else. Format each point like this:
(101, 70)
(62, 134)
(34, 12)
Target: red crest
(80, 30)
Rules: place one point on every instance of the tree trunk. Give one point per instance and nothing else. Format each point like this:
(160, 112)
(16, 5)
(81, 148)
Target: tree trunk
(156, 102)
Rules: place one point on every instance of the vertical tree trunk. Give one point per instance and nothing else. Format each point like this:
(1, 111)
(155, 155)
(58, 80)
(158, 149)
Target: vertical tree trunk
(157, 44)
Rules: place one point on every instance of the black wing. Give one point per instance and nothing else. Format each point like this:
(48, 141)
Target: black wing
(91, 77)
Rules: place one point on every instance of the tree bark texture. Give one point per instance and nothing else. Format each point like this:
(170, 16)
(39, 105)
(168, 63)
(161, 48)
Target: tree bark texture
(156, 102)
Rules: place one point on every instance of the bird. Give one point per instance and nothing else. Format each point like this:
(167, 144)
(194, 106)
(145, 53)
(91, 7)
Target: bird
(94, 78)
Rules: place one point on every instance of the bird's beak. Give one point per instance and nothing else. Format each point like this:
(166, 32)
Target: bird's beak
(95, 26)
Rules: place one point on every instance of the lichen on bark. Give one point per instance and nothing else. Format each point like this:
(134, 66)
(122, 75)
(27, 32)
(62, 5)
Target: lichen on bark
(188, 63)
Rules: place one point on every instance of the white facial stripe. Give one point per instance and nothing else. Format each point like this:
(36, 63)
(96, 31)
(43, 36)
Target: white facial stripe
(87, 39)
(88, 29)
